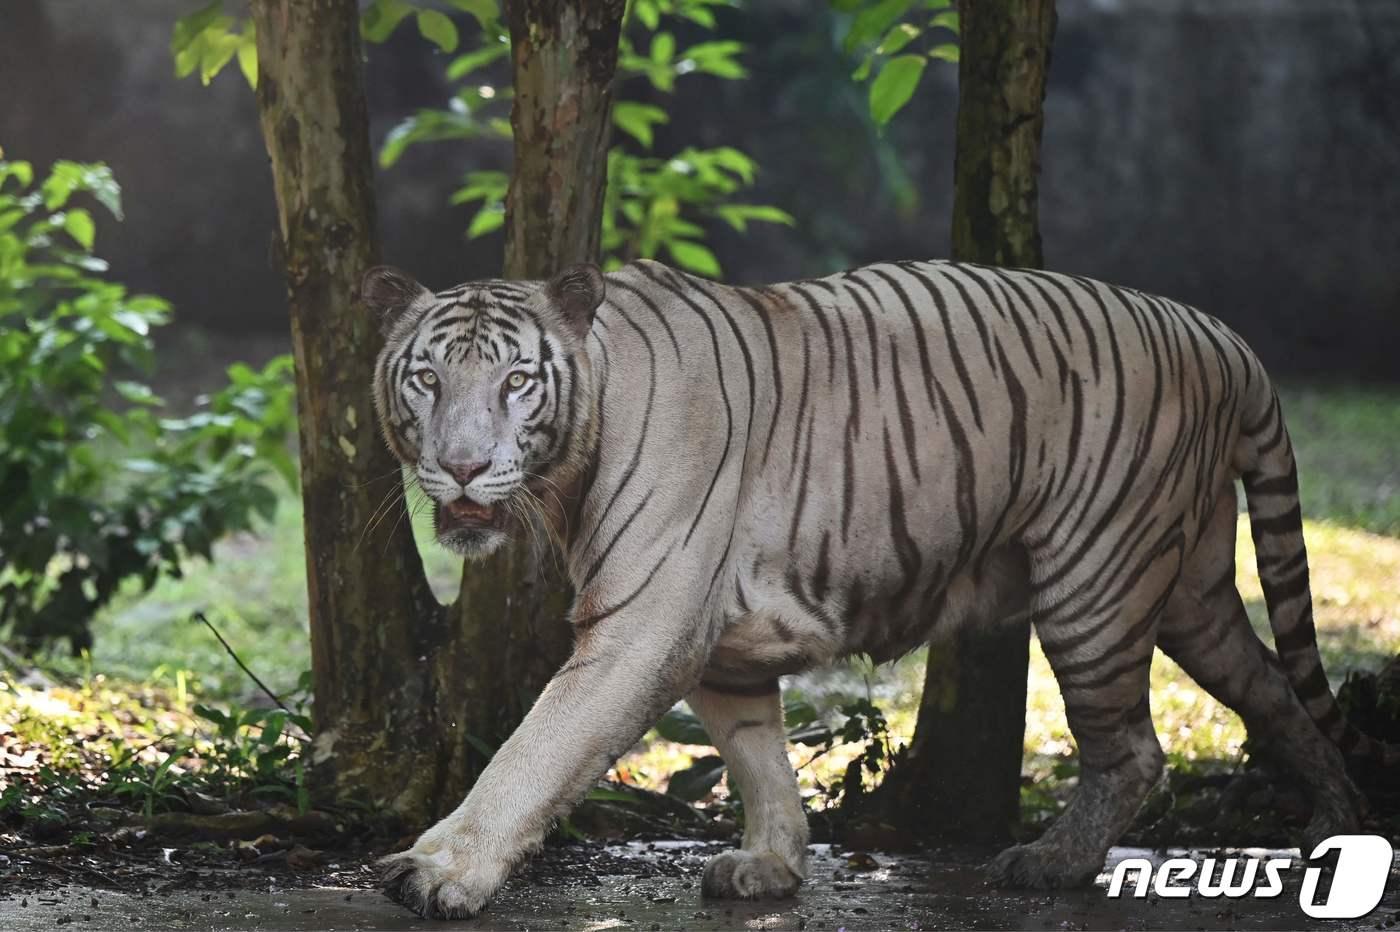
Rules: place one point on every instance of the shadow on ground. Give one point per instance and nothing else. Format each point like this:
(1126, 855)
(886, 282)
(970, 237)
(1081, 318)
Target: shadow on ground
(656, 886)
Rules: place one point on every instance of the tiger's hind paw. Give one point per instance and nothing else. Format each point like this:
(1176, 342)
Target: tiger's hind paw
(1041, 866)
(746, 875)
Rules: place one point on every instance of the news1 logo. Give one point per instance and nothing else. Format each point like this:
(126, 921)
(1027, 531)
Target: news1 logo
(1358, 882)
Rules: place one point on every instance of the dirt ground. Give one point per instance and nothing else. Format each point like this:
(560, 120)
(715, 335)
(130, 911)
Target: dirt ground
(644, 886)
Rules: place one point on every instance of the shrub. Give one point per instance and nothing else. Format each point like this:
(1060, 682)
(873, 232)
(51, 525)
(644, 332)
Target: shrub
(96, 486)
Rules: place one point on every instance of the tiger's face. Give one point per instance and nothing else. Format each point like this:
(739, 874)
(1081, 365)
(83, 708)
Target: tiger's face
(480, 390)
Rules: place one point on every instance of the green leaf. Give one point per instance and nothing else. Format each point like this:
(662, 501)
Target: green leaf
(637, 120)
(210, 714)
(874, 21)
(733, 160)
(382, 18)
(738, 215)
(437, 28)
(682, 727)
(485, 11)
(488, 219)
(487, 186)
(464, 65)
(863, 69)
(248, 56)
(136, 393)
(894, 86)
(716, 58)
(947, 52)
(189, 29)
(663, 48)
(22, 171)
(948, 19)
(219, 48)
(694, 257)
(78, 224)
(897, 38)
(696, 781)
(646, 11)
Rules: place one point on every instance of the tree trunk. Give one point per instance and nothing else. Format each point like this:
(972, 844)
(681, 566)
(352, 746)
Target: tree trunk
(409, 693)
(512, 610)
(564, 54)
(372, 614)
(960, 778)
(1004, 62)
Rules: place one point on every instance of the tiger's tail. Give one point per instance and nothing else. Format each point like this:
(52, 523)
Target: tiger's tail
(1276, 524)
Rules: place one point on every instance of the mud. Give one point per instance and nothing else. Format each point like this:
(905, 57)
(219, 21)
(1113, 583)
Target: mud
(655, 886)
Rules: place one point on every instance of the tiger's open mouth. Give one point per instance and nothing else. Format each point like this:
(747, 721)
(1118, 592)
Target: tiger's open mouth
(463, 514)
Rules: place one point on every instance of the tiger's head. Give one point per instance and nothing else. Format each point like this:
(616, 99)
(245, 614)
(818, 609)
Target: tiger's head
(483, 390)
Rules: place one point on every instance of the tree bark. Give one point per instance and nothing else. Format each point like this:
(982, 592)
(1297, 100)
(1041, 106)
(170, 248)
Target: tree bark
(564, 55)
(1004, 61)
(960, 778)
(410, 695)
(512, 609)
(372, 614)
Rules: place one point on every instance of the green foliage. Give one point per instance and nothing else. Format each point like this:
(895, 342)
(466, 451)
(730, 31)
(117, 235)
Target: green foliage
(257, 749)
(141, 745)
(883, 32)
(208, 40)
(654, 206)
(97, 487)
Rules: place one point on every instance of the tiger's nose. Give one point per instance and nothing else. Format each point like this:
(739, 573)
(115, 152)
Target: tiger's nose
(464, 472)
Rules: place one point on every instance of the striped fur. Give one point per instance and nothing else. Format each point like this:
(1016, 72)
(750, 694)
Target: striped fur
(755, 481)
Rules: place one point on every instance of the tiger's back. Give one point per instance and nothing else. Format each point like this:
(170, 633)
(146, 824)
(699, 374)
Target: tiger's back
(894, 445)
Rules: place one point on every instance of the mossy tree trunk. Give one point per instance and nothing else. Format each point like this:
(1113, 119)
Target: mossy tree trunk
(511, 611)
(960, 778)
(372, 616)
(409, 692)
(564, 55)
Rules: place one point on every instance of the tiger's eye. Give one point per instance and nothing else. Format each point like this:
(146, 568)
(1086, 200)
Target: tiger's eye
(428, 378)
(516, 381)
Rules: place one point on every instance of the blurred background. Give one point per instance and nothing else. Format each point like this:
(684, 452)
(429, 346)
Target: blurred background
(1241, 156)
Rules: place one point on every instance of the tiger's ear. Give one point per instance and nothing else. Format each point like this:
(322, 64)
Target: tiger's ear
(388, 293)
(576, 293)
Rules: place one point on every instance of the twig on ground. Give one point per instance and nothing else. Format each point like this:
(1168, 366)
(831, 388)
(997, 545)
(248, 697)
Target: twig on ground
(59, 866)
(241, 665)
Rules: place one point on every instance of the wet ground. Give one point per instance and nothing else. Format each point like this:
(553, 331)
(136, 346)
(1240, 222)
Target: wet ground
(656, 886)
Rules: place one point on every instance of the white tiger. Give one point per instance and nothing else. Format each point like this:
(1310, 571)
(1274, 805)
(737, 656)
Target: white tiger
(755, 481)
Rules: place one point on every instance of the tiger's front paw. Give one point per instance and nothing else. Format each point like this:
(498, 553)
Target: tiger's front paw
(749, 875)
(440, 885)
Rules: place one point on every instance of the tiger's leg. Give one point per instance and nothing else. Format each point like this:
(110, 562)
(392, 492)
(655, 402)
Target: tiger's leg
(1206, 630)
(748, 731)
(1101, 655)
(623, 674)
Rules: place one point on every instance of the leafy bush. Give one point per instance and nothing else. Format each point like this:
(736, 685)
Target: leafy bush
(96, 487)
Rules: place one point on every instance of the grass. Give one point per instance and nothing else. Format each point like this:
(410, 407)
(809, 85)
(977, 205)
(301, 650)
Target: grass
(1348, 445)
